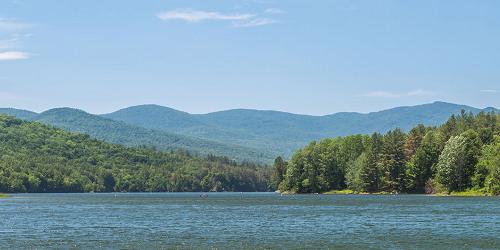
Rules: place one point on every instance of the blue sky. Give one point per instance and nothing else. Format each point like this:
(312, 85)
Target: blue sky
(311, 57)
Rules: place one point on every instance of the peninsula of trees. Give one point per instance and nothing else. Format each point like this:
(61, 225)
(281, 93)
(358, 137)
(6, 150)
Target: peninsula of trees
(461, 155)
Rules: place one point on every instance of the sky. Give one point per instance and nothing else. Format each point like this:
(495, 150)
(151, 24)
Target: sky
(307, 57)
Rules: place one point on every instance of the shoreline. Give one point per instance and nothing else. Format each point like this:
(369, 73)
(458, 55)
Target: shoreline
(351, 192)
(331, 192)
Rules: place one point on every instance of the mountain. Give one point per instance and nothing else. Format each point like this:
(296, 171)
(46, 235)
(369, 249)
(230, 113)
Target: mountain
(431, 114)
(130, 135)
(281, 132)
(41, 158)
(158, 117)
(19, 113)
(240, 133)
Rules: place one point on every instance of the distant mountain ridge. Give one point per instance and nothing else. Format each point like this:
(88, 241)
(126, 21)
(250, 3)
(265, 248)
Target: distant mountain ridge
(270, 132)
(19, 113)
(282, 132)
(118, 132)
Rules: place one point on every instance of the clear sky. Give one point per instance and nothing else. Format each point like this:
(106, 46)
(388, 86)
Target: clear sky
(311, 57)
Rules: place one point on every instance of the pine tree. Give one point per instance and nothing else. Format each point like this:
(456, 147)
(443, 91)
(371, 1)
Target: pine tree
(392, 161)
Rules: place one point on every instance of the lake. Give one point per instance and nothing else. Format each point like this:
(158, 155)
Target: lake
(248, 220)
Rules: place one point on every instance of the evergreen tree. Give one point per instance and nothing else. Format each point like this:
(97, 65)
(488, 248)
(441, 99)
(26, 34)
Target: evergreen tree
(425, 160)
(393, 162)
(279, 169)
(414, 139)
(354, 174)
(421, 165)
(370, 171)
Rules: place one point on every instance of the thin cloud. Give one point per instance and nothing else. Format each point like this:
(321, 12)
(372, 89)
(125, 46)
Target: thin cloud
(274, 11)
(196, 16)
(189, 15)
(491, 91)
(13, 42)
(13, 31)
(8, 43)
(388, 94)
(255, 22)
(12, 25)
(13, 55)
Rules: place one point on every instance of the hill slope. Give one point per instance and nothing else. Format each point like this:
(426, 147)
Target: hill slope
(281, 132)
(239, 133)
(40, 158)
(121, 133)
(19, 113)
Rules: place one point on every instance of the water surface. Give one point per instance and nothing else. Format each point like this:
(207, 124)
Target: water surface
(248, 220)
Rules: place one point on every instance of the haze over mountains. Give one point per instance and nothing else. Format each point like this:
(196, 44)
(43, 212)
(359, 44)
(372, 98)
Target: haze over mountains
(241, 134)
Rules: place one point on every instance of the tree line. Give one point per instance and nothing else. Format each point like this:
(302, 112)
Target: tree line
(40, 158)
(461, 155)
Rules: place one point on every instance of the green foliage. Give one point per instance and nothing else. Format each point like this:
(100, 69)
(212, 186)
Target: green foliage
(487, 173)
(39, 158)
(462, 155)
(280, 133)
(370, 175)
(278, 173)
(458, 160)
(322, 166)
(414, 140)
(354, 180)
(18, 113)
(129, 135)
(263, 134)
(344, 191)
(392, 161)
(421, 164)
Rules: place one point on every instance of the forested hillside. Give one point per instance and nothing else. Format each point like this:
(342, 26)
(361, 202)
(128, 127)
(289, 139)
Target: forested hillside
(129, 135)
(461, 155)
(18, 113)
(240, 134)
(40, 158)
(282, 133)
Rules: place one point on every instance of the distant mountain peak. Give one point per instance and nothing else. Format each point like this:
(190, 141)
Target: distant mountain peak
(154, 107)
(64, 109)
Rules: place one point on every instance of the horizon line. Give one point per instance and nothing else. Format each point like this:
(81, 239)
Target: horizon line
(246, 109)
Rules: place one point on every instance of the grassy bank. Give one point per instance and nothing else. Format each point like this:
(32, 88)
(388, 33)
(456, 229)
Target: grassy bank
(465, 193)
(469, 193)
(348, 191)
(345, 191)
(337, 192)
(3, 196)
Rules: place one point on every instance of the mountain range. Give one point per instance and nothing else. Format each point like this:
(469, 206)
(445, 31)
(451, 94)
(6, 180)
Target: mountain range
(241, 134)
(118, 132)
